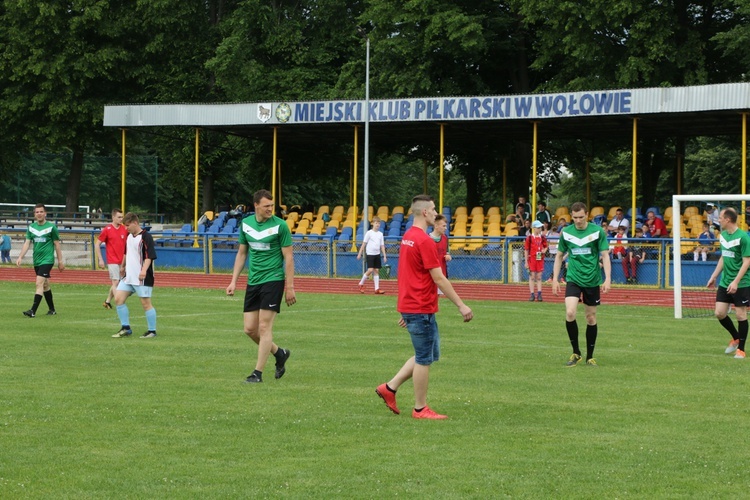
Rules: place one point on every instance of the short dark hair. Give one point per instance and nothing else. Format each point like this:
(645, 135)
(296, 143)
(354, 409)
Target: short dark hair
(129, 217)
(440, 217)
(116, 211)
(420, 199)
(542, 204)
(578, 206)
(730, 214)
(260, 194)
(40, 205)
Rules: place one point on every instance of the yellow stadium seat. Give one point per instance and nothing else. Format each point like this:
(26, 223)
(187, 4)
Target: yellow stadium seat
(595, 211)
(382, 213)
(323, 209)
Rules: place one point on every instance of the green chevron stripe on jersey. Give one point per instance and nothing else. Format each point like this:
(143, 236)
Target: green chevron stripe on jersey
(583, 247)
(43, 236)
(264, 241)
(734, 247)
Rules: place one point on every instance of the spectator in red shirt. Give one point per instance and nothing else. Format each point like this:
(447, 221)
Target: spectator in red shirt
(419, 276)
(656, 226)
(534, 248)
(114, 237)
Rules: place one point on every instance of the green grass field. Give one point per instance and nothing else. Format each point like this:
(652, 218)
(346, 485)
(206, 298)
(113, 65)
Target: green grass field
(83, 415)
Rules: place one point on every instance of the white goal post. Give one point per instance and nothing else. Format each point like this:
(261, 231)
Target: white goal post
(677, 201)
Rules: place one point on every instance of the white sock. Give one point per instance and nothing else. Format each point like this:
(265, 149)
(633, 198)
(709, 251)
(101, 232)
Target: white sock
(695, 256)
(703, 256)
(364, 278)
(376, 279)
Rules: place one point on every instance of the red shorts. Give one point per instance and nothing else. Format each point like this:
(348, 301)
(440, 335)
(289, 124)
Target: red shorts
(536, 266)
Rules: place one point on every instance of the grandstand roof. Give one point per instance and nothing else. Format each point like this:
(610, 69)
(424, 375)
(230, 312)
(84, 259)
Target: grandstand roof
(707, 110)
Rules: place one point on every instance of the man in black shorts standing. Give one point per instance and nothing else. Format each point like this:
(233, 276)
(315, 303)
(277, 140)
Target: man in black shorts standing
(268, 242)
(46, 241)
(734, 287)
(585, 244)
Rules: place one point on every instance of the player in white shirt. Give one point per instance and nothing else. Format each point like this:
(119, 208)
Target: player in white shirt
(373, 245)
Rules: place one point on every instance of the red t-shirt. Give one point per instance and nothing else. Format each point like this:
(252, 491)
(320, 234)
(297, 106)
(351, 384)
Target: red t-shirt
(534, 244)
(417, 293)
(115, 240)
(657, 223)
(442, 250)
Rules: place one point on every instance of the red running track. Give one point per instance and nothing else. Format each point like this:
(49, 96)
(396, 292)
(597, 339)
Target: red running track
(619, 295)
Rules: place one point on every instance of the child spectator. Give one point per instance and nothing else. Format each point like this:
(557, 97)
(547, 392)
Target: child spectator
(534, 249)
(618, 246)
(5, 248)
(634, 256)
(705, 243)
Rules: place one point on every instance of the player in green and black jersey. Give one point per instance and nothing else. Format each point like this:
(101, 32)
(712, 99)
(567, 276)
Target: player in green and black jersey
(734, 287)
(46, 241)
(585, 245)
(266, 246)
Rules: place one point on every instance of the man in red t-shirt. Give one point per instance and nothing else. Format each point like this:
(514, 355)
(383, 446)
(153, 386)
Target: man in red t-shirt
(419, 276)
(114, 236)
(656, 226)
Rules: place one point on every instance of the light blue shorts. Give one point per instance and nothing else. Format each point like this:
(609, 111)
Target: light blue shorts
(425, 338)
(143, 292)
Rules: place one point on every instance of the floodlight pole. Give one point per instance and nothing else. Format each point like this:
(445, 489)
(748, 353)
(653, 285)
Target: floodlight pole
(366, 188)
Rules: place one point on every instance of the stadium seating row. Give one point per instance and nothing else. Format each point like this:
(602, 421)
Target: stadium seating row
(462, 222)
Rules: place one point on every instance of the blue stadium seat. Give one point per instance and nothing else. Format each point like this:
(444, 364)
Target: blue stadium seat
(656, 211)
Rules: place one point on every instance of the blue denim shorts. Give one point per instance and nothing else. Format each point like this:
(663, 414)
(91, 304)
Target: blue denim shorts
(425, 338)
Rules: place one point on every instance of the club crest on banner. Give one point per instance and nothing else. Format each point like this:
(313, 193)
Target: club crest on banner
(283, 112)
(264, 112)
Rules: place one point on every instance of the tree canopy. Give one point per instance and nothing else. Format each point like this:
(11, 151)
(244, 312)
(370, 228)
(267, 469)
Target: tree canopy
(61, 62)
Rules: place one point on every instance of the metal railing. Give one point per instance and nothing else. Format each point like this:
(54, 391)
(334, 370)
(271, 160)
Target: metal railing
(479, 259)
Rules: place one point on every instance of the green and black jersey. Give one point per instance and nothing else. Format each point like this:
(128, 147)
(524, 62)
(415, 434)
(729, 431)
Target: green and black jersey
(734, 247)
(583, 248)
(43, 236)
(265, 241)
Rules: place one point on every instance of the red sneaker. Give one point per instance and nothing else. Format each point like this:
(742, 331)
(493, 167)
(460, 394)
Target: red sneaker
(361, 288)
(389, 398)
(379, 292)
(428, 413)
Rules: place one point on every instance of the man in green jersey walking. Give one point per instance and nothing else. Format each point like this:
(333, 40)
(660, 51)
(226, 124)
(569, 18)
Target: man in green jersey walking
(585, 244)
(46, 240)
(267, 241)
(734, 287)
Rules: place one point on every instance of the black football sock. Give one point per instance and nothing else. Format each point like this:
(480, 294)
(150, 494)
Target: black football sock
(591, 332)
(742, 334)
(572, 328)
(48, 298)
(37, 301)
(726, 322)
(419, 410)
(258, 373)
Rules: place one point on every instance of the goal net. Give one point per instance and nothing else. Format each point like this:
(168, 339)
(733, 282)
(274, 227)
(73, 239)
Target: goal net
(691, 272)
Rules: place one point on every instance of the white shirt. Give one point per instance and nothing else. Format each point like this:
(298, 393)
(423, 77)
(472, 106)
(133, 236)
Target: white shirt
(614, 224)
(713, 217)
(373, 241)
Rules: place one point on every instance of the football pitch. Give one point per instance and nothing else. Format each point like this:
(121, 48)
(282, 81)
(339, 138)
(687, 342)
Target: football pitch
(83, 415)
